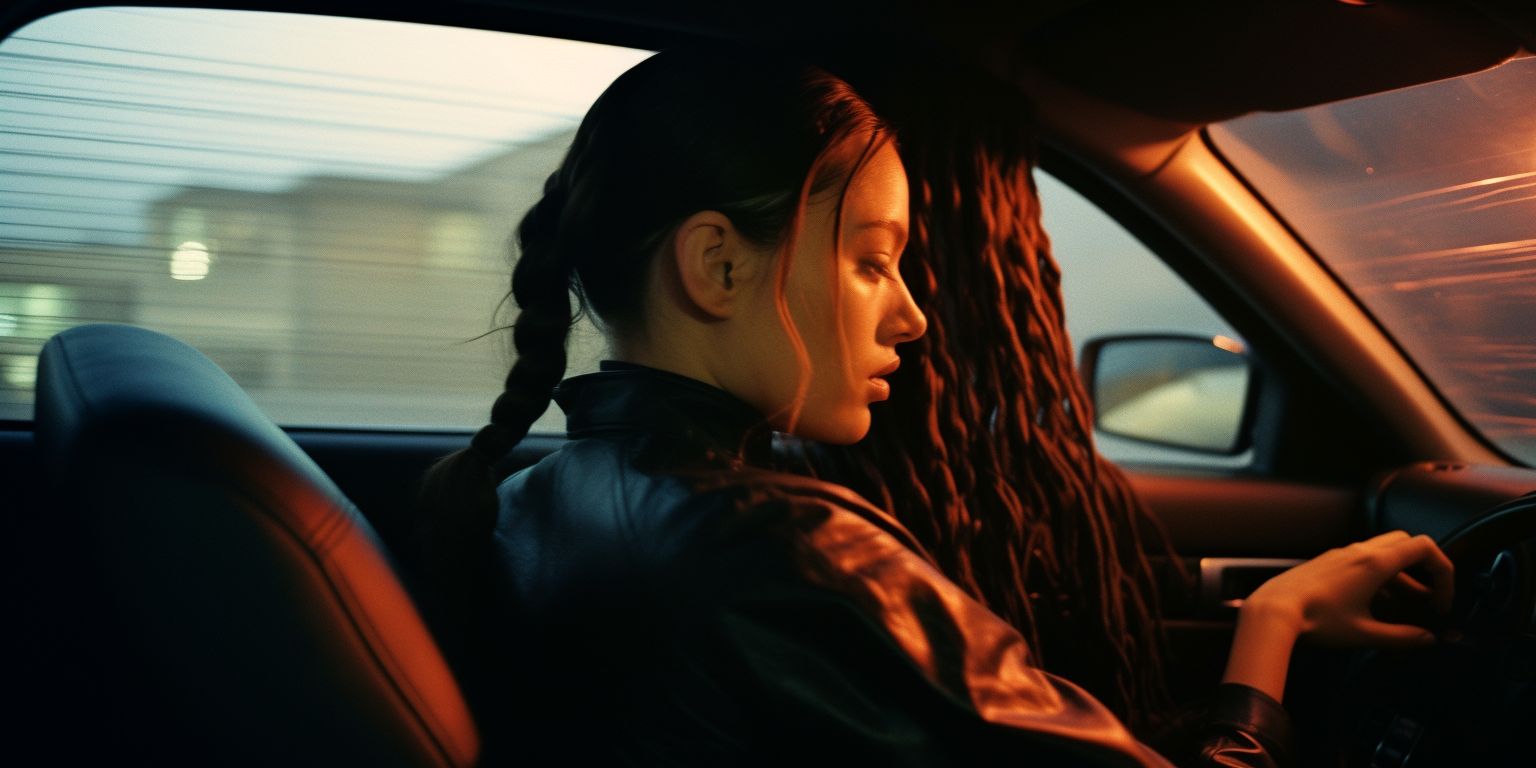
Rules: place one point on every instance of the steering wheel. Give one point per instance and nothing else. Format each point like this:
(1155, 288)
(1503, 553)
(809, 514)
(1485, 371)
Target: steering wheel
(1471, 699)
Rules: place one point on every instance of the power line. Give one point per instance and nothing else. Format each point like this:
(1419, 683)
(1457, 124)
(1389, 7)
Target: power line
(275, 96)
(265, 66)
(224, 127)
(236, 114)
(497, 189)
(331, 160)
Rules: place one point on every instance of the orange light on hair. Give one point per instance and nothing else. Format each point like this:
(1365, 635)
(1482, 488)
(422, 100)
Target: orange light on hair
(791, 412)
(781, 302)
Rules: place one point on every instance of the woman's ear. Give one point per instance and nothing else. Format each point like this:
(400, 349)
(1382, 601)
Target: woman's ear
(710, 260)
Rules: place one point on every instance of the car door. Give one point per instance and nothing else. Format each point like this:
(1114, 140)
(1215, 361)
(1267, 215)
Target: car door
(1235, 517)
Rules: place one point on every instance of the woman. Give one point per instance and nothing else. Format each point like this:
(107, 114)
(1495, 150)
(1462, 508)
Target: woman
(985, 448)
(657, 593)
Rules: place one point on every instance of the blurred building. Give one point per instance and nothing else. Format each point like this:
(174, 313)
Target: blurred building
(336, 299)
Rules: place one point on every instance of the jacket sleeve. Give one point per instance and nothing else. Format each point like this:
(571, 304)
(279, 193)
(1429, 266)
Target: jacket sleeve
(842, 634)
(1244, 727)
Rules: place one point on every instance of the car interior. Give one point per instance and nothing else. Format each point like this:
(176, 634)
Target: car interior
(193, 579)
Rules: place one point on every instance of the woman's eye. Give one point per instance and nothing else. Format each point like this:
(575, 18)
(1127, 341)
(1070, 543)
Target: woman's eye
(877, 267)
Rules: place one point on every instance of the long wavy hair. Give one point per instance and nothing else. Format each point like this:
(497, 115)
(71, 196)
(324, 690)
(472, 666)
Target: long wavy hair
(985, 449)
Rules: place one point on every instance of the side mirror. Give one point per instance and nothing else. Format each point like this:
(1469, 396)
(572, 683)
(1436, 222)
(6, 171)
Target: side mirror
(1189, 392)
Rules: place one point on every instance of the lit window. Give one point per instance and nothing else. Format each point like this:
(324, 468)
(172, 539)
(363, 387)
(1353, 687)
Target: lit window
(190, 261)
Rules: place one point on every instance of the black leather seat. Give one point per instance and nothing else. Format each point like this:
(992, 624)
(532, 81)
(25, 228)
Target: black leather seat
(258, 621)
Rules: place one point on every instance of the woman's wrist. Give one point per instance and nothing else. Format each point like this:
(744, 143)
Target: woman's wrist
(1261, 648)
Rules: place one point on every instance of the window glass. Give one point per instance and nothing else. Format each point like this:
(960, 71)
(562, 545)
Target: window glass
(1423, 202)
(1113, 285)
(333, 226)
(324, 206)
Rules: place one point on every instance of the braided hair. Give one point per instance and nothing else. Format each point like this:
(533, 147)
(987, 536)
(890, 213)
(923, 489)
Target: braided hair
(985, 448)
(743, 132)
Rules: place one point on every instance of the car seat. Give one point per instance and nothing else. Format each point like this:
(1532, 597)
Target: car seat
(255, 617)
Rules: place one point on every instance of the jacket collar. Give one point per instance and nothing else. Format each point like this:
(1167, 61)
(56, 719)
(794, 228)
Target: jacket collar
(630, 398)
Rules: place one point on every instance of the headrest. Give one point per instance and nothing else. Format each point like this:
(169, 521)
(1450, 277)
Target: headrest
(255, 591)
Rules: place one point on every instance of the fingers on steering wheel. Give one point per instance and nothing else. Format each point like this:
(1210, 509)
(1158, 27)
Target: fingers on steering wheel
(1395, 635)
(1386, 537)
(1421, 551)
(1401, 581)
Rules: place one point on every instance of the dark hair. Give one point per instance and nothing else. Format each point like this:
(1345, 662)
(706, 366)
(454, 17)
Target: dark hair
(985, 448)
(738, 131)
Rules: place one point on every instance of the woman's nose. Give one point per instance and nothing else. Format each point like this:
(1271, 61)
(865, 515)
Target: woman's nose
(907, 322)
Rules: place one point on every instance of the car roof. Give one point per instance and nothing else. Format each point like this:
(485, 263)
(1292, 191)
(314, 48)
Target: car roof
(1193, 61)
(1117, 79)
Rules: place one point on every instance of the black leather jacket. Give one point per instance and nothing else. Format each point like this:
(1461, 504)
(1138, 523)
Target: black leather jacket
(676, 602)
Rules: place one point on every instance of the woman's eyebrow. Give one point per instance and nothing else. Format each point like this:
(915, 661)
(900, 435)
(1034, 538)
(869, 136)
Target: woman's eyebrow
(896, 228)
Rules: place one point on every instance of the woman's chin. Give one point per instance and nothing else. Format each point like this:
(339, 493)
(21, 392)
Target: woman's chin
(848, 428)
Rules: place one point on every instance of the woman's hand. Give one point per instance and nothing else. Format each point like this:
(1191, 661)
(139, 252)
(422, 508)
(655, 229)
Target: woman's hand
(1328, 599)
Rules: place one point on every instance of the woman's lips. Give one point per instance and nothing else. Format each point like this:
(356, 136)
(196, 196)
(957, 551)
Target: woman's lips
(881, 386)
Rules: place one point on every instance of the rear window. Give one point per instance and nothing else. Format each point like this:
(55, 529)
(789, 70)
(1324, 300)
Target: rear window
(323, 206)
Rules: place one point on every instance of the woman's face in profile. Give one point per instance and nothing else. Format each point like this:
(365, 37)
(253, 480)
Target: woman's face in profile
(849, 304)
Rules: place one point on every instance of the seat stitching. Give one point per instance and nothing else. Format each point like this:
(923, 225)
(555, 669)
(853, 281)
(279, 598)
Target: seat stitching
(401, 682)
(370, 642)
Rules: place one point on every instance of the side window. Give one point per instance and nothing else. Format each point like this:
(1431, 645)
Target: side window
(332, 225)
(324, 206)
(1113, 285)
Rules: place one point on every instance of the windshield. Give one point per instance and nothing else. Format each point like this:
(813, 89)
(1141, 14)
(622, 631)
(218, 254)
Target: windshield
(1423, 201)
